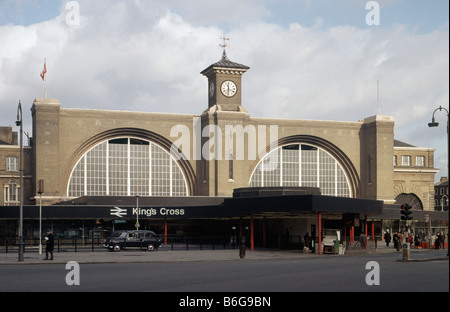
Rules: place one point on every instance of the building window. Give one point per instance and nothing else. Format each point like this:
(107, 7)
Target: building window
(301, 165)
(11, 191)
(127, 167)
(395, 160)
(406, 160)
(230, 168)
(12, 164)
(420, 161)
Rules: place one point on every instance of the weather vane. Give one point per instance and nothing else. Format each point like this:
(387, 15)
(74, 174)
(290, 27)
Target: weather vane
(224, 45)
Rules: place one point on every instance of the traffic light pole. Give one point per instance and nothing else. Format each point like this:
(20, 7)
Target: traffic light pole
(406, 215)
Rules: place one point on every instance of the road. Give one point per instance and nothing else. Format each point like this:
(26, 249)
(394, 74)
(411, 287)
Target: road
(330, 274)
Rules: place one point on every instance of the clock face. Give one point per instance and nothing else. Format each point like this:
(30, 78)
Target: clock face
(211, 89)
(228, 88)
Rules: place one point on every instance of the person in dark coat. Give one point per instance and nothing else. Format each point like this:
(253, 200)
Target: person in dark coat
(395, 239)
(417, 241)
(442, 240)
(387, 238)
(307, 240)
(49, 245)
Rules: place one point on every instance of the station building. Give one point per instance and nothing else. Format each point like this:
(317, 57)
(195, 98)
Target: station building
(209, 173)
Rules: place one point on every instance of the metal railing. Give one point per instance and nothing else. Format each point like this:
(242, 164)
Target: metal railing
(60, 244)
(361, 242)
(95, 244)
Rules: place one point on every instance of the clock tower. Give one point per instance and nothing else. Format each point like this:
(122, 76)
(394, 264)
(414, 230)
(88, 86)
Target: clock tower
(224, 84)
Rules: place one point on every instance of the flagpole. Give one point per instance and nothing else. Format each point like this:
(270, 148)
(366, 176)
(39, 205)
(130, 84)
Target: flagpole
(45, 78)
(43, 73)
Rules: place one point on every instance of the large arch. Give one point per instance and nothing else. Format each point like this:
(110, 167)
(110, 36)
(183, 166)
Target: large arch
(410, 199)
(136, 133)
(336, 153)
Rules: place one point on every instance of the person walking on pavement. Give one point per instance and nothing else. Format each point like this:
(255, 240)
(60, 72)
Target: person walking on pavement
(387, 238)
(442, 240)
(400, 241)
(417, 241)
(49, 245)
(437, 241)
(395, 238)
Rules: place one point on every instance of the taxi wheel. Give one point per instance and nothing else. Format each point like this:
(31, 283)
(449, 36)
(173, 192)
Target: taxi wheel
(150, 247)
(117, 248)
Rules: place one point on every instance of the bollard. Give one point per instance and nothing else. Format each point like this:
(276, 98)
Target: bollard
(406, 254)
(406, 251)
(242, 251)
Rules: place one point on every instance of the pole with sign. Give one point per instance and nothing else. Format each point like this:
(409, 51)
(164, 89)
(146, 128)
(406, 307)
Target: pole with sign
(137, 212)
(429, 229)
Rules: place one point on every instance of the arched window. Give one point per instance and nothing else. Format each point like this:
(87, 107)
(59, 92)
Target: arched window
(11, 191)
(410, 199)
(302, 165)
(127, 166)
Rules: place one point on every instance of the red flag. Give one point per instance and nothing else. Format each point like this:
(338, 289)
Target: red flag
(44, 71)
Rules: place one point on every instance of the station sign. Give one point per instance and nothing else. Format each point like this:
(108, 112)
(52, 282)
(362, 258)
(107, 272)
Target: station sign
(146, 212)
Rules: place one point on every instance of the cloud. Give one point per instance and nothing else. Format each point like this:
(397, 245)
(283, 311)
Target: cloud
(147, 56)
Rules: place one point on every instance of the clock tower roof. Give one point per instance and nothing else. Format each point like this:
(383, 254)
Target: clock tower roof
(224, 64)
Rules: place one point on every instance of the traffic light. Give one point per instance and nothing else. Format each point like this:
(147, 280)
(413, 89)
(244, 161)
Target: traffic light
(406, 212)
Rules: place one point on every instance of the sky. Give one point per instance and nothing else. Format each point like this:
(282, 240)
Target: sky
(308, 59)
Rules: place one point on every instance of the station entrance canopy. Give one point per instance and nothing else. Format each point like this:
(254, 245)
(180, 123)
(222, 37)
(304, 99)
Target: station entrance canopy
(256, 202)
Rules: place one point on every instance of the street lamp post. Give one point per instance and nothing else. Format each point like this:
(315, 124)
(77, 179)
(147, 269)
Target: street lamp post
(20, 123)
(40, 191)
(433, 123)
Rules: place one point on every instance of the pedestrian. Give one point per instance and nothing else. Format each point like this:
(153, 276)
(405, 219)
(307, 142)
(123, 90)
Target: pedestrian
(417, 241)
(437, 241)
(400, 241)
(387, 238)
(395, 240)
(442, 240)
(307, 241)
(49, 245)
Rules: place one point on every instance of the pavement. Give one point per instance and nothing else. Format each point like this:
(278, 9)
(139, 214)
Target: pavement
(164, 254)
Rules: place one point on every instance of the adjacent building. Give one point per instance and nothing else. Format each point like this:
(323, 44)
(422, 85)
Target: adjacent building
(441, 195)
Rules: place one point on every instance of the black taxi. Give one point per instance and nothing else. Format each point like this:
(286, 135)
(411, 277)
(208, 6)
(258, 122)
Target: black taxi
(121, 240)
